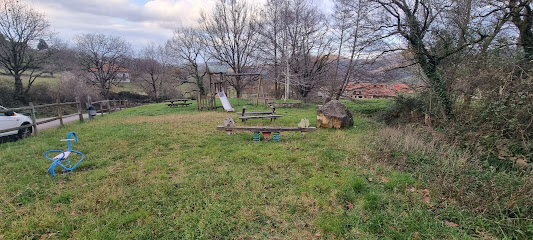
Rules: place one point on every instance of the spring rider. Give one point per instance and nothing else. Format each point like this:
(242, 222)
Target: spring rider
(63, 158)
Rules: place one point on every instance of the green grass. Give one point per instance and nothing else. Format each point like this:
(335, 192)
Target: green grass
(46, 78)
(155, 172)
(129, 87)
(367, 106)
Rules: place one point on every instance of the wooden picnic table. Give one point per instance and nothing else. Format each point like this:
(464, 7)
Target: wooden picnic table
(179, 102)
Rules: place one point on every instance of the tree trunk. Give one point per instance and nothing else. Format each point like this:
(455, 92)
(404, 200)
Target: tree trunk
(238, 86)
(200, 83)
(103, 90)
(19, 94)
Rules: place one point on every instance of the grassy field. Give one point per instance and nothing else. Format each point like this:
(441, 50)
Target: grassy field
(46, 78)
(155, 172)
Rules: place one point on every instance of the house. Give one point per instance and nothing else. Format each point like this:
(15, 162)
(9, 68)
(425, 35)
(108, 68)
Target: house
(121, 74)
(375, 90)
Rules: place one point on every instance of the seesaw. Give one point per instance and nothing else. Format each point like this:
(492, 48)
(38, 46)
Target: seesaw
(230, 127)
(63, 158)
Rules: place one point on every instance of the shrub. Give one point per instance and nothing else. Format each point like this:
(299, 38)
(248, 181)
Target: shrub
(405, 109)
(131, 96)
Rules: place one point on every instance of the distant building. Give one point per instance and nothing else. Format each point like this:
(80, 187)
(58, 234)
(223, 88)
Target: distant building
(375, 90)
(121, 74)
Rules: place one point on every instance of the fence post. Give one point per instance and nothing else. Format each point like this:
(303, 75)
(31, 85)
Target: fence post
(80, 113)
(89, 103)
(199, 102)
(60, 113)
(101, 108)
(108, 107)
(33, 119)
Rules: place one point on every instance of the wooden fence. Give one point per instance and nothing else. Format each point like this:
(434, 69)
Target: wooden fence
(105, 106)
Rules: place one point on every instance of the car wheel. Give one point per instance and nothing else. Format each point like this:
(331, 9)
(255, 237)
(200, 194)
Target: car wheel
(25, 132)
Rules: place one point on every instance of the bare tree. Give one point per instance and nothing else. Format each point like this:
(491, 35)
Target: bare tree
(102, 57)
(350, 16)
(307, 46)
(63, 58)
(153, 68)
(270, 28)
(231, 38)
(295, 43)
(187, 45)
(20, 27)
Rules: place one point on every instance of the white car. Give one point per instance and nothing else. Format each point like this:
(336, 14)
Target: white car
(12, 120)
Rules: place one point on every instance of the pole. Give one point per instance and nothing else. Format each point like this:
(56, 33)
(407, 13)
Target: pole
(258, 91)
(108, 107)
(89, 103)
(287, 79)
(101, 108)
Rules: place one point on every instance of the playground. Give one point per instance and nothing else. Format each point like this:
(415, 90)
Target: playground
(167, 173)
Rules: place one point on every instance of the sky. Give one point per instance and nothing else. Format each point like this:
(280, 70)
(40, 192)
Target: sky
(138, 21)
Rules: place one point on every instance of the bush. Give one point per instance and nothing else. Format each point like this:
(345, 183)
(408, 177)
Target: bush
(406, 109)
(131, 96)
(6, 96)
(43, 93)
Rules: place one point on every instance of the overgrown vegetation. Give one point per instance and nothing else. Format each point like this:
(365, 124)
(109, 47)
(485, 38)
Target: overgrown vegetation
(499, 191)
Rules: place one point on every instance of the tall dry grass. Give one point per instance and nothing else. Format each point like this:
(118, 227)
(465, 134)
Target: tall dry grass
(503, 197)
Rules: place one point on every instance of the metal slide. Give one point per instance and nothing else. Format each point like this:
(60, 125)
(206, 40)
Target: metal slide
(225, 102)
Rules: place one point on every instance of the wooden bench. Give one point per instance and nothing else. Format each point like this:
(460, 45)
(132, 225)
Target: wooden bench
(245, 113)
(272, 118)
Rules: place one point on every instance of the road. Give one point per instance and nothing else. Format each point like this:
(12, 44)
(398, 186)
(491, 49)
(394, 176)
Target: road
(56, 122)
(48, 125)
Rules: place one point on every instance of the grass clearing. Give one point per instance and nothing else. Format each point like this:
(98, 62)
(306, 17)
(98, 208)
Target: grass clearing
(166, 173)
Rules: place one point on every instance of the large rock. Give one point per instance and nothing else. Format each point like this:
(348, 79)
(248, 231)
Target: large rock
(333, 115)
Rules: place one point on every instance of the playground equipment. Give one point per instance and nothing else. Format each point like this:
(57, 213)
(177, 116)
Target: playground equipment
(303, 127)
(63, 158)
(218, 86)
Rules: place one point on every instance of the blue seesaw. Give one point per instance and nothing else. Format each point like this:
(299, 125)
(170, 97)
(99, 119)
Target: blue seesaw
(63, 158)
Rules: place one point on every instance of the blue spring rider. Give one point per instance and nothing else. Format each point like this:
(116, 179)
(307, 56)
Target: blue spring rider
(63, 158)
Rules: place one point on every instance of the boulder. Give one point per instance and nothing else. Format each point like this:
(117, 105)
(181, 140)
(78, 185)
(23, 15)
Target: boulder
(333, 115)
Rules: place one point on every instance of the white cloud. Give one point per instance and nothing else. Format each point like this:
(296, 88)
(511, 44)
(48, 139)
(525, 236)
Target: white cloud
(139, 24)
